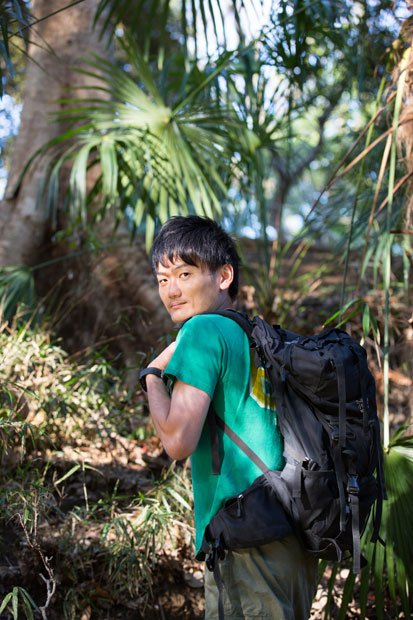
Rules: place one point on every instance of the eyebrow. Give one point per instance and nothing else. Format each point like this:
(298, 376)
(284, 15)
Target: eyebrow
(175, 268)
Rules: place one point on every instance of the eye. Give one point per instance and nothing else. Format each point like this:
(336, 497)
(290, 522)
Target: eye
(184, 275)
(162, 281)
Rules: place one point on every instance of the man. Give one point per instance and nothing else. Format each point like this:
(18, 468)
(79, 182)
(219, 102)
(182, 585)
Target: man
(197, 268)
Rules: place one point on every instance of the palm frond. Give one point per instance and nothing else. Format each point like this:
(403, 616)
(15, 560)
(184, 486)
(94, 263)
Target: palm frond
(153, 159)
(16, 290)
(389, 572)
(205, 24)
(394, 560)
(387, 579)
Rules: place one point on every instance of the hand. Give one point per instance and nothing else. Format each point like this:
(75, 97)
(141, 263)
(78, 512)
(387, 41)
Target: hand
(163, 358)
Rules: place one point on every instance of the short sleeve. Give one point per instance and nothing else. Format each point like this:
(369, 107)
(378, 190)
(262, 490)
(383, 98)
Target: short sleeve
(200, 354)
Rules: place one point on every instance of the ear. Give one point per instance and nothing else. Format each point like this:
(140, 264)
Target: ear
(226, 276)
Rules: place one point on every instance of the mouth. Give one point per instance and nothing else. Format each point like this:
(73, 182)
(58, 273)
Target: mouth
(176, 305)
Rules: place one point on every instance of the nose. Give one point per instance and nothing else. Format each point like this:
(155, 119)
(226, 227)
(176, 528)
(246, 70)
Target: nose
(173, 288)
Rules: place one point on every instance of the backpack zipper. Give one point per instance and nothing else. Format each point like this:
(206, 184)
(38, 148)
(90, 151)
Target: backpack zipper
(240, 497)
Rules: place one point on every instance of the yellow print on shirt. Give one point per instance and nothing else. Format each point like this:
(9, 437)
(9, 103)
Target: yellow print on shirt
(260, 388)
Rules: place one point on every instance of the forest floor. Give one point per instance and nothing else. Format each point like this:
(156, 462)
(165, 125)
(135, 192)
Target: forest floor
(174, 590)
(175, 587)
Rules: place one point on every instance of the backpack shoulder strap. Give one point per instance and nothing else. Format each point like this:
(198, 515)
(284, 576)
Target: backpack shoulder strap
(241, 319)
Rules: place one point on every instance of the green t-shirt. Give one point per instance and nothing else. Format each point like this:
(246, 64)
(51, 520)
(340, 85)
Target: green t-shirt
(212, 353)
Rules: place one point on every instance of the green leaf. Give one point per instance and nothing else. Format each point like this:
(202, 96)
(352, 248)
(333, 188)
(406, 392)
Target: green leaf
(390, 573)
(347, 596)
(394, 560)
(331, 582)
(179, 498)
(69, 473)
(97, 471)
(15, 603)
(150, 231)
(28, 604)
(16, 289)
(366, 320)
(342, 311)
(109, 166)
(5, 601)
(365, 581)
(379, 562)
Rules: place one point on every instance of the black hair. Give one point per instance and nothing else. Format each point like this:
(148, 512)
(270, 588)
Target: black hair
(197, 241)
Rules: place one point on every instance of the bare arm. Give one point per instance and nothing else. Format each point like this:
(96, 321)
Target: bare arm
(178, 419)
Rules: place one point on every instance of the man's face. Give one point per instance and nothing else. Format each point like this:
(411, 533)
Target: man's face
(186, 290)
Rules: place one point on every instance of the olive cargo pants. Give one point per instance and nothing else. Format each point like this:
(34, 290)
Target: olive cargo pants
(276, 581)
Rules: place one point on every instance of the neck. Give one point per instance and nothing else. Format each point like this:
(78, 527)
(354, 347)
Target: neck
(223, 305)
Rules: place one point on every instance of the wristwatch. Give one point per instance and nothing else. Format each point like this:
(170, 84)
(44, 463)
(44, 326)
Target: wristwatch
(150, 370)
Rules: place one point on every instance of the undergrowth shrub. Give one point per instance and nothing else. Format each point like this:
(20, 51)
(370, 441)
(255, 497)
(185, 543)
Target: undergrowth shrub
(42, 388)
(73, 535)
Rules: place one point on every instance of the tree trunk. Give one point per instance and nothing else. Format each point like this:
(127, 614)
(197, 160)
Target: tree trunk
(106, 297)
(405, 132)
(57, 43)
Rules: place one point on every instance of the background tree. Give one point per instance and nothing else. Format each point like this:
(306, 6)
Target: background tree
(56, 43)
(258, 104)
(98, 288)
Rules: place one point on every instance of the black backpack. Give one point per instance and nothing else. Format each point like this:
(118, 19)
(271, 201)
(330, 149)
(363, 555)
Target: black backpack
(333, 473)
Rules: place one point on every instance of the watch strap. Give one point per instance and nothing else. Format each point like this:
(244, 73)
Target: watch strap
(150, 370)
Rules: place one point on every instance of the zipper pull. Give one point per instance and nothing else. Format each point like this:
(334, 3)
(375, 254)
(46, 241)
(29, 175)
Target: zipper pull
(239, 504)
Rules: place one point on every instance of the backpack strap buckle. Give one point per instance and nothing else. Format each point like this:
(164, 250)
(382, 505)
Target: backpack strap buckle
(260, 357)
(216, 552)
(353, 486)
